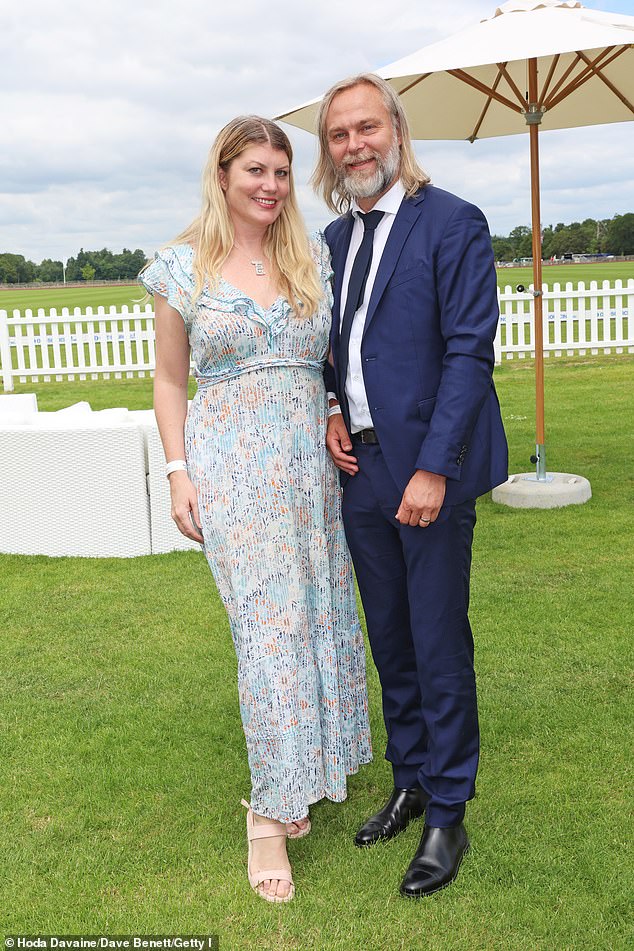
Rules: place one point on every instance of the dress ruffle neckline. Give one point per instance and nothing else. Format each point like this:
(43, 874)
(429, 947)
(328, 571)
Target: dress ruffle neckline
(225, 297)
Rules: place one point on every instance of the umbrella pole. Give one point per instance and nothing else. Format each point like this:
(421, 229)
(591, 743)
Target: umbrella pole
(533, 119)
(557, 488)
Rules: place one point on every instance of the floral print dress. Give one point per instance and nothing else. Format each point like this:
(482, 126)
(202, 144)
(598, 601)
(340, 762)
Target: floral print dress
(269, 505)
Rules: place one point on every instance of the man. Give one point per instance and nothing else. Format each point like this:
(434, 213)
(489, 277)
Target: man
(415, 428)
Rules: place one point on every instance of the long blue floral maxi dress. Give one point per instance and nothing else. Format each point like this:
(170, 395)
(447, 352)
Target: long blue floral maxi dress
(270, 510)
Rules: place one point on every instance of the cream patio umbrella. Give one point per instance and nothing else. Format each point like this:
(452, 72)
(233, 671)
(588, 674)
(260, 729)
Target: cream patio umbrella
(552, 64)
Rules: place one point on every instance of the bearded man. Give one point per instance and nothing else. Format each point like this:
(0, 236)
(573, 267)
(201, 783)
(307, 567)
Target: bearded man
(415, 428)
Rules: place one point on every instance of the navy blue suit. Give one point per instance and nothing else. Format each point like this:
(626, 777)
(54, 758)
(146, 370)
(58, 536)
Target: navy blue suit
(427, 358)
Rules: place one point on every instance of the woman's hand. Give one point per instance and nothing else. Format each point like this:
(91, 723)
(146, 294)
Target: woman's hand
(185, 506)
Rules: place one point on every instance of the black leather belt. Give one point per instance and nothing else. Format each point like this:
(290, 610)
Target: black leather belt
(366, 436)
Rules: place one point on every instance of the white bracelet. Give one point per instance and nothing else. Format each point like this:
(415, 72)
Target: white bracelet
(333, 410)
(176, 465)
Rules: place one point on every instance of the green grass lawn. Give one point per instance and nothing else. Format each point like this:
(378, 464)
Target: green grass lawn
(562, 273)
(123, 759)
(103, 295)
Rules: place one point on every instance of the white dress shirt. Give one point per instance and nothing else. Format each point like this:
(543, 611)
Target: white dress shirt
(389, 203)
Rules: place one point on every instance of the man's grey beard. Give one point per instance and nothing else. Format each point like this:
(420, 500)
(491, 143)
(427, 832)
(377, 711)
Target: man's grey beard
(360, 186)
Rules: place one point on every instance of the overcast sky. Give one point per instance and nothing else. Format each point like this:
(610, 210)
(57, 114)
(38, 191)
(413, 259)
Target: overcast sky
(108, 111)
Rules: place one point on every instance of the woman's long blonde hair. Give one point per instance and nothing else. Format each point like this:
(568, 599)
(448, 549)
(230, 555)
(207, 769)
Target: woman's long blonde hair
(325, 180)
(211, 233)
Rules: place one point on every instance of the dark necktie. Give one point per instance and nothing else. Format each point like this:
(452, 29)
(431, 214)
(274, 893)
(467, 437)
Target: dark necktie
(356, 290)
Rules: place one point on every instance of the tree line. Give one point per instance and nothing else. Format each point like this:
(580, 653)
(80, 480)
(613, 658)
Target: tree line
(606, 236)
(101, 265)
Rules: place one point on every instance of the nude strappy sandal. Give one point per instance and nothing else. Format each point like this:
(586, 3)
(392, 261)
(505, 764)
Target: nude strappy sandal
(300, 832)
(281, 874)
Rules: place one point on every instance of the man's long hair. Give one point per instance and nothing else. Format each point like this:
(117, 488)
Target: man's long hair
(325, 180)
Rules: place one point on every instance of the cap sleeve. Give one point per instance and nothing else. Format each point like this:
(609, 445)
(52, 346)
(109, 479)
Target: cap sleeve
(321, 256)
(169, 276)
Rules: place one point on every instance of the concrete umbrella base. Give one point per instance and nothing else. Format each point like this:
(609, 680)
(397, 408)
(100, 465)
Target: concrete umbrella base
(525, 491)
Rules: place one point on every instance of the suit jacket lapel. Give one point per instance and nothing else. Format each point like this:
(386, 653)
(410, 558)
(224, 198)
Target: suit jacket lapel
(406, 217)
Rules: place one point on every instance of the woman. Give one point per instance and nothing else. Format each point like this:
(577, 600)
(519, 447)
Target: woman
(244, 292)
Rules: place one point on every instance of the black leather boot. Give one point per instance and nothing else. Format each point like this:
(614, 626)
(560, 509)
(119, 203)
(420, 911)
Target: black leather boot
(402, 806)
(436, 862)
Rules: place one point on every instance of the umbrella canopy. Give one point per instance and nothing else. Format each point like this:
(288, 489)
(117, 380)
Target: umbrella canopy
(473, 85)
(554, 64)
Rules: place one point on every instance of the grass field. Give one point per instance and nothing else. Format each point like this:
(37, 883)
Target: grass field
(103, 295)
(123, 758)
(562, 273)
(118, 295)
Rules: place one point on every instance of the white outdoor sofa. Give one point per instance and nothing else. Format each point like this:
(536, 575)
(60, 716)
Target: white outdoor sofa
(165, 536)
(83, 483)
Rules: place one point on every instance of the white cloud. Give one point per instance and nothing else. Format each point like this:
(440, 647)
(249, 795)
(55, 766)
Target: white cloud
(108, 113)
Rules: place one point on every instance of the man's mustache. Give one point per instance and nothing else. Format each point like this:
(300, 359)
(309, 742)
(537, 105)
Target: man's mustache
(355, 159)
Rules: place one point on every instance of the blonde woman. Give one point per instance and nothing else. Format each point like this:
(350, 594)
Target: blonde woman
(244, 293)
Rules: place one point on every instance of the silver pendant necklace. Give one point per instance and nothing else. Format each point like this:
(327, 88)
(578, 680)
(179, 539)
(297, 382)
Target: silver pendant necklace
(258, 265)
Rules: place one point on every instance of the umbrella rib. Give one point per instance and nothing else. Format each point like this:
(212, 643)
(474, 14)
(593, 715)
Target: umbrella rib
(474, 134)
(578, 80)
(520, 97)
(418, 80)
(482, 87)
(551, 73)
(604, 79)
(562, 79)
(587, 73)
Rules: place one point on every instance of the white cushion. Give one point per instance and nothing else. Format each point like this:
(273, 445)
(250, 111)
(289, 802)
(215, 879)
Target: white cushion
(17, 408)
(74, 410)
(60, 419)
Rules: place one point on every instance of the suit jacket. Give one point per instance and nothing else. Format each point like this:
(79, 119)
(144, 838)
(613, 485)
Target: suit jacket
(427, 348)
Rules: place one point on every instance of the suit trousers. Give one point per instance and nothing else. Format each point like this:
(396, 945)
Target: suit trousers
(414, 584)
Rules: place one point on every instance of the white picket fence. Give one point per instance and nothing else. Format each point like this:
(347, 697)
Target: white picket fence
(577, 320)
(120, 342)
(83, 344)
